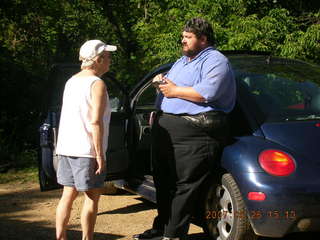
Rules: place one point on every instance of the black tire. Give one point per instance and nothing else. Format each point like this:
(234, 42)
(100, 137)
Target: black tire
(225, 211)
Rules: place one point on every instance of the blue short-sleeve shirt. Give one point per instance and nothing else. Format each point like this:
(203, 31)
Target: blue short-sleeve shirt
(211, 75)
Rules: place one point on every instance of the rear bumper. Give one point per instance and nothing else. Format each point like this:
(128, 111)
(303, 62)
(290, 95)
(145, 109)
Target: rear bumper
(290, 206)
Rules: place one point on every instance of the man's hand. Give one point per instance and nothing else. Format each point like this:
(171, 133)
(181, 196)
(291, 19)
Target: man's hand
(169, 89)
(157, 80)
(100, 165)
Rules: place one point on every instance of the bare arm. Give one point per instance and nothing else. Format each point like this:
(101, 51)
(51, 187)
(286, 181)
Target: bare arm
(170, 90)
(99, 98)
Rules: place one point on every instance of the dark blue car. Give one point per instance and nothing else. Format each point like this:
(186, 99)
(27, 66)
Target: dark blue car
(268, 179)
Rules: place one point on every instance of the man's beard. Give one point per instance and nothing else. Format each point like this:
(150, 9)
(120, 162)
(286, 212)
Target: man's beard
(191, 53)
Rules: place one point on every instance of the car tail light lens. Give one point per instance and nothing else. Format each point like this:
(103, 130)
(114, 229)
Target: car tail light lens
(257, 196)
(276, 162)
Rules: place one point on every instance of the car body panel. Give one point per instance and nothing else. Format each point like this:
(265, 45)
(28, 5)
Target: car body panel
(289, 202)
(301, 138)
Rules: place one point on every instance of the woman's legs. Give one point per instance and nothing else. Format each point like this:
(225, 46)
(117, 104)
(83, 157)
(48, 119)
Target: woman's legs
(89, 213)
(63, 211)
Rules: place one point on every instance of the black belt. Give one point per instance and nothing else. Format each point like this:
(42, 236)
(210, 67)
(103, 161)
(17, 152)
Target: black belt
(204, 120)
(209, 113)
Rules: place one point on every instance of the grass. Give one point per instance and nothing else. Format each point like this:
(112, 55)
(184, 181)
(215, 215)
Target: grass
(24, 169)
(26, 175)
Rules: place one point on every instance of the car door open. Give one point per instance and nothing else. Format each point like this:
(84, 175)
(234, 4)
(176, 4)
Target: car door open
(117, 159)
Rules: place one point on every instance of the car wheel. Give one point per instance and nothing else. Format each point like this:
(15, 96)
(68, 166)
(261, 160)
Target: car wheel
(226, 217)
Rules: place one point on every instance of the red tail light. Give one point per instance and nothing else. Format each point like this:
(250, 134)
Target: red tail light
(276, 162)
(257, 196)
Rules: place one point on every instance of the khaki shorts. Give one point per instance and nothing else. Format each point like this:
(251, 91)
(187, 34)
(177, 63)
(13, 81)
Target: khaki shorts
(79, 172)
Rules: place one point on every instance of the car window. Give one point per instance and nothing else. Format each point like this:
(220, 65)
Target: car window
(115, 104)
(282, 89)
(283, 94)
(116, 96)
(147, 96)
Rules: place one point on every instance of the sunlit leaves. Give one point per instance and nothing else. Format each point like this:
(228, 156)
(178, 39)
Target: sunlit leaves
(303, 45)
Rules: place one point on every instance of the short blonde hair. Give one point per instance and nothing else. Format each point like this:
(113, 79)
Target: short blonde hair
(87, 63)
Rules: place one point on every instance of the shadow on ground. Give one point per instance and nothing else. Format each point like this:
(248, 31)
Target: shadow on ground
(28, 214)
(21, 200)
(129, 209)
(17, 230)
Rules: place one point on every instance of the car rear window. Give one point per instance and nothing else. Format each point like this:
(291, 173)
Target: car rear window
(283, 90)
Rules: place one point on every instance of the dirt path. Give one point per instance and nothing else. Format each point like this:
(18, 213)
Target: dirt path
(26, 213)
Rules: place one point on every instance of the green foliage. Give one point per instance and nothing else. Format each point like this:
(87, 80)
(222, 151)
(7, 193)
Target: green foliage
(263, 34)
(44, 32)
(261, 25)
(38, 33)
(303, 45)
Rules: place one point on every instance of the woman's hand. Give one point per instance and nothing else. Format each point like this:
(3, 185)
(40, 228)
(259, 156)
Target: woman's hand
(100, 165)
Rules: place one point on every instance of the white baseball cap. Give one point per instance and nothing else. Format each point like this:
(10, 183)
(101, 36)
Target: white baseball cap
(92, 48)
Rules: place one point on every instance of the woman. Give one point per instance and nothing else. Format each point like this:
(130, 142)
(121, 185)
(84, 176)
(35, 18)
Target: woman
(83, 137)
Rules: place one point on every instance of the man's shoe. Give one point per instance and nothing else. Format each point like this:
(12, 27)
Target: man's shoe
(167, 238)
(151, 234)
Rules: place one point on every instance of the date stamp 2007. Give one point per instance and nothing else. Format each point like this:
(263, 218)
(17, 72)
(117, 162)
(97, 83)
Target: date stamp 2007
(255, 214)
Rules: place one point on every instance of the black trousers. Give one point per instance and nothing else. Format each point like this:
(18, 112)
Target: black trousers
(183, 155)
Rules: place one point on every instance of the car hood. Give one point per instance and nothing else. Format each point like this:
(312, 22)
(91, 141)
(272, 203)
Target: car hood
(301, 138)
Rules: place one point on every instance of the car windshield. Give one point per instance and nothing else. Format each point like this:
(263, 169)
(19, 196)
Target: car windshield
(283, 90)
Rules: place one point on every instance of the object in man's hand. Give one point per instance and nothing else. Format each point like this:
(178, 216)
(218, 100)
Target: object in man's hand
(157, 80)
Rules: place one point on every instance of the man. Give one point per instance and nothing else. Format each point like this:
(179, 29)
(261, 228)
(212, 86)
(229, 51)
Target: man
(189, 130)
(83, 138)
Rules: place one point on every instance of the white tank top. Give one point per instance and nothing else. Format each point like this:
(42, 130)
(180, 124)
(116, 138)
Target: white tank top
(75, 129)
